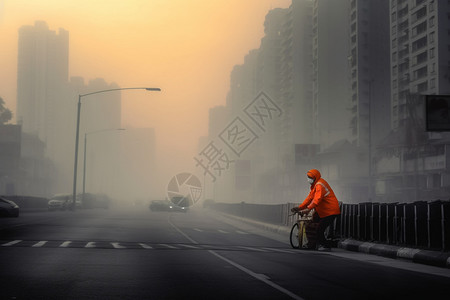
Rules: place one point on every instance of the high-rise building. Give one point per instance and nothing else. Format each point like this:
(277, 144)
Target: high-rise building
(420, 54)
(42, 74)
(369, 71)
(330, 33)
(412, 164)
(296, 72)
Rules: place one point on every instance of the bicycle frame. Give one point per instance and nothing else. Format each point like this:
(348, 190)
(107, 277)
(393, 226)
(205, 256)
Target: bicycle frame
(297, 236)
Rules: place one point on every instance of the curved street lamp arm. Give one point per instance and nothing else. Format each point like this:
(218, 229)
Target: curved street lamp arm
(119, 89)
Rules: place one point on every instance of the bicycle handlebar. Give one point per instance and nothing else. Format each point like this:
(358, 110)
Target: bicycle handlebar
(303, 216)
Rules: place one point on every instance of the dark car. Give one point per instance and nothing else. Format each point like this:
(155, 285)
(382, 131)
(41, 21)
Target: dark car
(160, 205)
(8, 208)
(165, 205)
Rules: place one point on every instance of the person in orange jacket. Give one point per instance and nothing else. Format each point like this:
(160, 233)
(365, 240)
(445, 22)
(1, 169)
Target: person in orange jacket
(321, 198)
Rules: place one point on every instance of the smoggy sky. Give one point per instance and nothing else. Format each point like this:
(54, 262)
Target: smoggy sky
(186, 47)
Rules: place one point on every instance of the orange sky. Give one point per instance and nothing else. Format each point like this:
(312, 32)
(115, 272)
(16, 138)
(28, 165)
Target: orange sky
(186, 47)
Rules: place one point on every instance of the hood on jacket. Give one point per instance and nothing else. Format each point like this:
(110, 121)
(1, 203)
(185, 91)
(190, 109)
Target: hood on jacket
(314, 174)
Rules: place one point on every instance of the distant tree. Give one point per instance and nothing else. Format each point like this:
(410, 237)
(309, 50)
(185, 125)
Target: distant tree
(5, 113)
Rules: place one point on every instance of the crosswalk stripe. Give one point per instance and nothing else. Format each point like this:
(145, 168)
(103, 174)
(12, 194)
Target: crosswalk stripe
(253, 249)
(118, 246)
(145, 246)
(90, 245)
(280, 250)
(11, 243)
(168, 246)
(39, 244)
(199, 230)
(65, 244)
(188, 246)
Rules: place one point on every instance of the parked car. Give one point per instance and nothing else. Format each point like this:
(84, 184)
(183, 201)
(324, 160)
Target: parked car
(8, 208)
(165, 205)
(59, 202)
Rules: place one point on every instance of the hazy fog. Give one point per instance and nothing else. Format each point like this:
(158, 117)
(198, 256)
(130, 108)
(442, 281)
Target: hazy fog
(186, 48)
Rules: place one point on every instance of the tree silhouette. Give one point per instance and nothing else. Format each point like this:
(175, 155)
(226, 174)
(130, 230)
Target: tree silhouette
(5, 113)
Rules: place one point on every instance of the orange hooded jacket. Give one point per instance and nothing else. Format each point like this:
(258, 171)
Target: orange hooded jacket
(321, 197)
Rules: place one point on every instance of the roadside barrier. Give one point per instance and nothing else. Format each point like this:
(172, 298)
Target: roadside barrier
(420, 224)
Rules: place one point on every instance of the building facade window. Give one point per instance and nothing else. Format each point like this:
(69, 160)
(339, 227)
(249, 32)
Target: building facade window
(422, 87)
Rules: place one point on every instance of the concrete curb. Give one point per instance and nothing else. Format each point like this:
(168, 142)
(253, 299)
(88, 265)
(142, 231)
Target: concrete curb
(427, 257)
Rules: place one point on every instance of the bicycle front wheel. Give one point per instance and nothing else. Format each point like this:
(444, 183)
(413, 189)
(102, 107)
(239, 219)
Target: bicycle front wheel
(293, 238)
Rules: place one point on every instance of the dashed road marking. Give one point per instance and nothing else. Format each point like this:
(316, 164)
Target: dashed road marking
(145, 246)
(39, 244)
(241, 232)
(222, 231)
(253, 249)
(65, 244)
(279, 250)
(136, 245)
(168, 246)
(188, 246)
(118, 246)
(90, 245)
(11, 243)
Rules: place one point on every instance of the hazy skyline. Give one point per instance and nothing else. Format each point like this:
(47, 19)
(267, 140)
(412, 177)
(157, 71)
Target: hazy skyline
(187, 48)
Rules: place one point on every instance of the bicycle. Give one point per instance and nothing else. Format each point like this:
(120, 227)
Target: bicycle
(303, 231)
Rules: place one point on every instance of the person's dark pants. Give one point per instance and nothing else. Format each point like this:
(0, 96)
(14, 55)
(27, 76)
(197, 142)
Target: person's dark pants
(324, 223)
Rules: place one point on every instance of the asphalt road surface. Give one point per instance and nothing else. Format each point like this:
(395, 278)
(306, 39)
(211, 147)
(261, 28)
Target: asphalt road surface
(139, 254)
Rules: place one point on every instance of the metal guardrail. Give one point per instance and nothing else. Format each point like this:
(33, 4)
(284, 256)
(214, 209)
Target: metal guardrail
(419, 224)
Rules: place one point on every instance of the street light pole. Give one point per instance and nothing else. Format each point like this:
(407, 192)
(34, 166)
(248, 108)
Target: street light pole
(84, 156)
(74, 195)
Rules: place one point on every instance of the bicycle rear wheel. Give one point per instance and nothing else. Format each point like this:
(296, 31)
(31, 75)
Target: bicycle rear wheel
(293, 238)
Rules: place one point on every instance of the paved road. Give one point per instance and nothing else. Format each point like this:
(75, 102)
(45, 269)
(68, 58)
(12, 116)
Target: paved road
(138, 254)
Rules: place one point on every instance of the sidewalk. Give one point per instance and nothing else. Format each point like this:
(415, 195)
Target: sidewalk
(427, 257)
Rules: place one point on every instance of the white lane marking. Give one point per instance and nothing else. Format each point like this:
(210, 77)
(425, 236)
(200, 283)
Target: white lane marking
(90, 245)
(279, 250)
(260, 277)
(221, 231)
(252, 248)
(65, 244)
(145, 246)
(188, 246)
(168, 246)
(11, 243)
(118, 246)
(199, 230)
(39, 244)
(241, 232)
